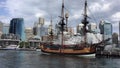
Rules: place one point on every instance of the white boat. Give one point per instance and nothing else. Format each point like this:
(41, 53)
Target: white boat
(11, 47)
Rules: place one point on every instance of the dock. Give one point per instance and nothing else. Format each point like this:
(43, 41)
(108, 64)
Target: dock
(107, 54)
(114, 52)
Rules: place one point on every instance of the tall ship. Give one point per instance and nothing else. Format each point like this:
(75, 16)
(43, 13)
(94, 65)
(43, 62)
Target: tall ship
(66, 44)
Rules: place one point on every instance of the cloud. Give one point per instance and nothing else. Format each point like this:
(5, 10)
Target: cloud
(30, 10)
(100, 7)
(2, 4)
(76, 15)
(116, 16)
(4, 19)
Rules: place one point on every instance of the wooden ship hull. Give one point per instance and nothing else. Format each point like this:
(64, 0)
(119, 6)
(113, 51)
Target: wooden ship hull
(67, 50)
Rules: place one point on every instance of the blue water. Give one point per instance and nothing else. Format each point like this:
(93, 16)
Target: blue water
(36, 59)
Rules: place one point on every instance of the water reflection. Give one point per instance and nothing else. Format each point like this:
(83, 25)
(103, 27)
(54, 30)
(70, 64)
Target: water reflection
(33, 59)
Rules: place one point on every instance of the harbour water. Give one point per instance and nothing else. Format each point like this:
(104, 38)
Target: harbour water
(36, 59)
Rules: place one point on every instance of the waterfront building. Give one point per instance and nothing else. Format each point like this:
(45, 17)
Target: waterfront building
(29, 33)
(17, 27)
(9, 39)
(34, 42)
(106, 31)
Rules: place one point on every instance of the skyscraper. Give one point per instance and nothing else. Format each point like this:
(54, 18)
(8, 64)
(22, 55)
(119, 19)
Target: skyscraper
(29, 33)
(115, 38)
(101, 24)
(17, 27)
(35, 29)
(39, 29)
(1, 28)
(106, 30)
(6, 29)
(41, 21)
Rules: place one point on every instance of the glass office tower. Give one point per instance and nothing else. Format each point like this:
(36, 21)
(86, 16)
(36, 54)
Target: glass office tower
(17, 27)
(106, 31)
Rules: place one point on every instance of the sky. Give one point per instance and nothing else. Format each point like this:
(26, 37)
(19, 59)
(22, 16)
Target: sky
(30, 10)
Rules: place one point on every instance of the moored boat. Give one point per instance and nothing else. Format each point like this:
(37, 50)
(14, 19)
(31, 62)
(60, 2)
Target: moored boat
(68, 47)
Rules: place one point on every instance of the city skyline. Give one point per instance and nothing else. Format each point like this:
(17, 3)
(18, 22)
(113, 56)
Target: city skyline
(30, 10)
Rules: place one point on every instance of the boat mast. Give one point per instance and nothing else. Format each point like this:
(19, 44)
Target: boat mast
(62, 11)
(51, 30)
(119, 30)
(84, 21)
(62, 22)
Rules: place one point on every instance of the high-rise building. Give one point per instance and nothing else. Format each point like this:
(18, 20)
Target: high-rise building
(106, 30)
(115, 38)
(42, 31)
(29, 33)
(17, 27)
(35, 29)
(101, 24)
(1, 28)
(41, 21)
(6, 29)
(39, 28)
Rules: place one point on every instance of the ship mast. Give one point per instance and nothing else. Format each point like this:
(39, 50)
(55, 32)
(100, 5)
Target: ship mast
(51, 30)
(62, 11)
(84, 21)
(62, 23)
(119, 30)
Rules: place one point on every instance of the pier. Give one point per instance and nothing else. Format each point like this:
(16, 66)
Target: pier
(101, 52)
